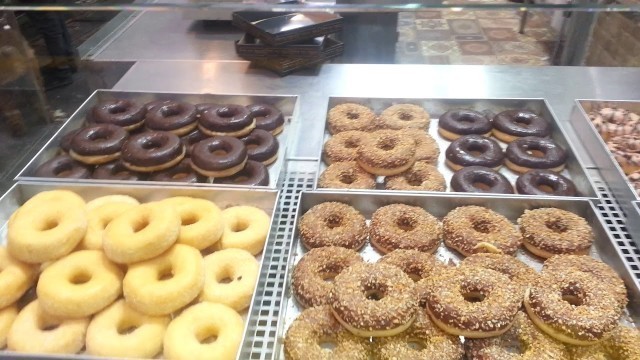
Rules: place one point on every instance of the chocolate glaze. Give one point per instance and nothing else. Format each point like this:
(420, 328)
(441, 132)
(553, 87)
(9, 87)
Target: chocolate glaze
(253, 174)
(170, 115)
(267, 117)
(225, 118)
(265, 146)
(65, 142)
(193, 138)
(530, 183)
(204, 106)
(460, 151)
(115, 171)
(553, 154)
(233, 153)
(99, 139)
(465, 180)
(179, 173)
(63, 166)
(152, 148)
(150, 105)
(118, 112)
(521, 123)
(465, 122)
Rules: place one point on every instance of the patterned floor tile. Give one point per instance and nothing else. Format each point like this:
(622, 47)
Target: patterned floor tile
(469, 38)
(542, 34)
(518, 48)
(406, 34)
(477, 60)
(434, 35)
(429, 48)
(429, 15)
(432, 24)
(498, 14)
(521, 60)
(475, 48)
(406, 16)
(465, 14)
(499, 23)
(500, 34)
(465, 27)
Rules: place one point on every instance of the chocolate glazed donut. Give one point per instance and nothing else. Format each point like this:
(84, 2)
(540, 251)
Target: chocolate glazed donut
(123, 113)
(512, 124)
(261, 146)
(253, 174)
(480, 179)
(456, 123)
(176, 117)
(63, 166)
(219, 156)
(98, 144)
(474, 150)
(65, 142)
(226, 120)
(545, 182)
(200, 108)
(183, 172)
(192, 138)
(267, 117)
(533, 152)
(152, 151)
(114, 171)
(151, 104)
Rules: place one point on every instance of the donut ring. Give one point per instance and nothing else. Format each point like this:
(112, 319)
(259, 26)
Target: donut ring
(510, 125)
(7, 317)
(79, 285)
(109, 199)
(15, 279)
(472, 302)
(419, 177)
(173, 116)
(261, 146)
(219, 156)
(202, 223)
(374, 300)
(99, 217)
(226, 120)
(474, 150)
(152, 151)
(346, 175)
(98, 144)
(124, 113)
(549, 231)
(317, 325)
(254, 174)
(333, 224)
(517, 271)
(267, 117)
(401, 116)
(534, 343)
(120, 331)
(621, 343)
(343, 146)
(399, 226)
(183, 172)
(165, 283)
(455, 123)
(427, 149)
(63, 166)
(187, 335)
(545, 183)
(386, 152)
(141, 233)
(42, 230)
(47, 334)
(532, 152)
(474, 229)
(114, 171)
(480, 179)
(236, 265)
(246, 228)
(574, 307)
(345, 117)
(311, 278)
(416, 264)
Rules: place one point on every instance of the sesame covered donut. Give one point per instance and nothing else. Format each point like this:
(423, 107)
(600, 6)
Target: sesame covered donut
(475, 229)
(471, 301)
(573, 307)
(343, 146)
(316, 326)
(399, 226)
(455, 123)
(401, 116)
(510, 125)
(550, 231)
(346, 175)
(333, 224)
(374, 300)
(419, 177)
(310, 281)
(623, 343)
(427, 149)
(517, 271)
(386, 152)
(418, 265)
(349, 116)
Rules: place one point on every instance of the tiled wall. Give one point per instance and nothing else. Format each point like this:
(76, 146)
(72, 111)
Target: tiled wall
(615, 40)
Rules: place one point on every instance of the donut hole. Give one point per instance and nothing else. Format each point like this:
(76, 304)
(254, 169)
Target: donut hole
(125, 327)
(165, 273)
(404, 116)
(239, 225)
(328, 276)
(97, 136)
(219, 152)
(190, 219)
(47, 324)
(557, 226)
(375, 292)
(347, 178)
(482, 226)
(207, 335)
(573, 295)
(227, 277)
(466, 119)
(116, 109)
(351, 143)
(327, 344)
(333, 221)
(151, 144)
(80, 278)
(546, 188)
(387, 143)
(140, 224)
(49, 224)
(481, 185)
(406, 223)
(473, 297)
(351, 115)
(167, 111)
(535, 151)
(416, 344)
(476, 149)
(225, 112)
(414, 179)
(522, 120)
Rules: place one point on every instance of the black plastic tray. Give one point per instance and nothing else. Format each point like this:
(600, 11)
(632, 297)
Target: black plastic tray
(251, 47)
(286, 28)
(285, 66)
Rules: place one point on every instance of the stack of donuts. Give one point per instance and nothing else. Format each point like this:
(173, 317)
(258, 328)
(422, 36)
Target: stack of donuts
(620, 129)
(409, 305)
(173, 141)
(396, 145)
(112, 277)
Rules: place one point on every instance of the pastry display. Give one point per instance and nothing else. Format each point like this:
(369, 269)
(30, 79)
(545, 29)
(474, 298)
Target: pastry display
(386, 153)
(480, 179)
(333, 224)
(126, 114)
(455, 123)
(226, 120)
(345, 117)
(537, 153)
(474, 150)
(417, 264)
(236, 264)
(343, 146)
(152, 151)
(98, 144)
(261, 146)
(176, 117)
(399, 226)
(267, 117)
(510, 125)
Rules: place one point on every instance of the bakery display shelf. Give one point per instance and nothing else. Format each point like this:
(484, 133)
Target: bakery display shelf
(287, 104)
(439, 205)
(574, 170)
(265, 199)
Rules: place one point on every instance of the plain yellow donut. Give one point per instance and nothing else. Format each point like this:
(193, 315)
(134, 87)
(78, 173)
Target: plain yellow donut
(79, 285)
(245, 227)
(141, 233)
(165, 284)
(202, 224)
(47, 227)
(99, 217)
(16, 278)
(188, 336)
(111, 199)
(35, 331)
(239, 268)
(7, 316)
(120, 331)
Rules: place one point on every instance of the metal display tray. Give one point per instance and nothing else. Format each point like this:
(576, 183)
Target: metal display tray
(436, 107)
(223, 198)
(439, 205)
(287, 104)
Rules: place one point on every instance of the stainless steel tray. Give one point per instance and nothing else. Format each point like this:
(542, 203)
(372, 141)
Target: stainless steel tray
(439, 205)
(224, 198)
(288, 104)
(435, 107)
